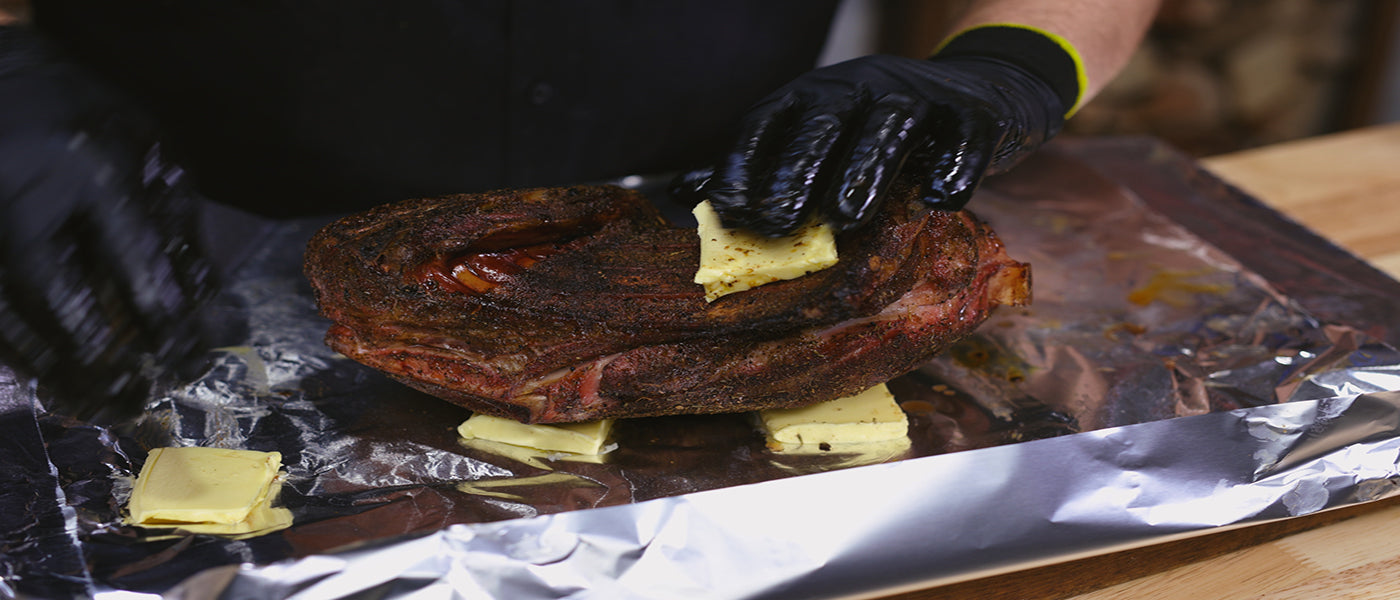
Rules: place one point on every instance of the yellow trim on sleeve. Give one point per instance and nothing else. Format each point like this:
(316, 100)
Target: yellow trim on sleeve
(1081, 77)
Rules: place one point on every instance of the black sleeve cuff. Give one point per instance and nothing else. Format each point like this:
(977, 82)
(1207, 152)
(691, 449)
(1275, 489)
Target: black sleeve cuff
(1042, 54)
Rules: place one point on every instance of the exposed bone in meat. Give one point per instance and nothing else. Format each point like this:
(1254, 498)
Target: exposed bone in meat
(572, 304)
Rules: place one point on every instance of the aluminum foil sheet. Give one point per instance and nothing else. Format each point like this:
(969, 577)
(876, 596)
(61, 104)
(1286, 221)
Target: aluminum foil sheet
(1169, 379)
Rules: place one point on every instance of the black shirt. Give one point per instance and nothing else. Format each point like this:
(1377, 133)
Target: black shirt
(300, 106)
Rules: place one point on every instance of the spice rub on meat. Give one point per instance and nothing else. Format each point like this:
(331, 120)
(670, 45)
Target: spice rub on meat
(577, 303)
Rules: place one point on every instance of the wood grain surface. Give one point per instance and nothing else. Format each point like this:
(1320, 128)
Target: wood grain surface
(1345, 187)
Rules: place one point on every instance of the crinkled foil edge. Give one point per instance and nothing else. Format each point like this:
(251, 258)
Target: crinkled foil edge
(885, 528)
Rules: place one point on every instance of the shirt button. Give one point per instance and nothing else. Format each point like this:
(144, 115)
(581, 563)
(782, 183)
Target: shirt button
(541, 93)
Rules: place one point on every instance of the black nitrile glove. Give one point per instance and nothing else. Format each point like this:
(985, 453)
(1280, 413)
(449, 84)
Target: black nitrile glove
(99, 272)
(831, 141)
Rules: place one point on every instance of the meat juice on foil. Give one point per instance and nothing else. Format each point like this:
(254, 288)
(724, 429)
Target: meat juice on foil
(1136, 319)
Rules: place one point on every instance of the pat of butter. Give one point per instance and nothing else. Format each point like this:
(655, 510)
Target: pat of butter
(578, 438)
(264, 518)
(733, 260)
(870, 416)
(202, 485)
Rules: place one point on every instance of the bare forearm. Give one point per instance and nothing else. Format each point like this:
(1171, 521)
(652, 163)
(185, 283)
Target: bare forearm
(13, 12)
(1105, 32)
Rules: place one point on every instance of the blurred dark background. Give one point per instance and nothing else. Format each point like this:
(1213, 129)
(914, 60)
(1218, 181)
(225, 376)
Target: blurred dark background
(1213, 76)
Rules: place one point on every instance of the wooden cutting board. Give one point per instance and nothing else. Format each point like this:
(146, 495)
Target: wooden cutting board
(1355, 558)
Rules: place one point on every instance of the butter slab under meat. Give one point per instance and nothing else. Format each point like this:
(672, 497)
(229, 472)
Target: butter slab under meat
(733, 260)
(577, 438)
(870, 416)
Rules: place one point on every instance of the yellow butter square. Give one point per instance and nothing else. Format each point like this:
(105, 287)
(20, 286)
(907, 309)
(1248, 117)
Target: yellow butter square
(202, 485)
(734, 260)
(578, 438)
(870, 416)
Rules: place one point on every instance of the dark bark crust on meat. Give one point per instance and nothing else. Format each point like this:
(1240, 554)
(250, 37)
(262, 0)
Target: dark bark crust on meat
(610, 324)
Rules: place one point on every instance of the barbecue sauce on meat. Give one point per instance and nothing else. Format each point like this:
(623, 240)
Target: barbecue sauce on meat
(494, 259)
(481, 271)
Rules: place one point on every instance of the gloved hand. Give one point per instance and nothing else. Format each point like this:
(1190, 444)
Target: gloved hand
(99, 271)
(832, 140)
